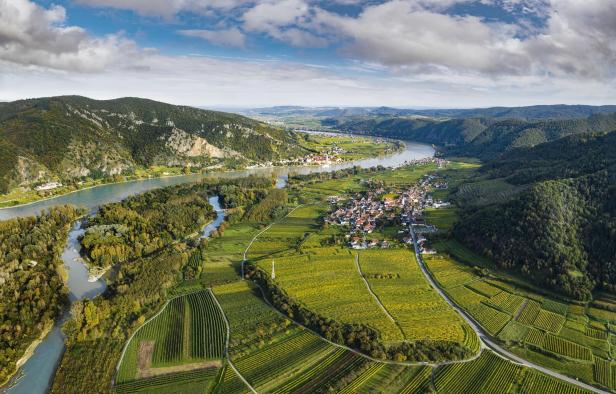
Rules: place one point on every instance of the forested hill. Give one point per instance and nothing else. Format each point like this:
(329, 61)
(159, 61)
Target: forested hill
(485, 138)
(532, 112)
(560, 231)
(71, 136)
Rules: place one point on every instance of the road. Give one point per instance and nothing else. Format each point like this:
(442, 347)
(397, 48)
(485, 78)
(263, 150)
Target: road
(485, 338)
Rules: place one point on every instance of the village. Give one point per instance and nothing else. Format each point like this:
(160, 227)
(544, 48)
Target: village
(364, 212)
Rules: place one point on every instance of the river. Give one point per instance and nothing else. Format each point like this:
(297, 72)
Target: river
(36, 374)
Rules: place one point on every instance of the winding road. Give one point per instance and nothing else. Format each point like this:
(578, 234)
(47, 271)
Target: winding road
(484, 337)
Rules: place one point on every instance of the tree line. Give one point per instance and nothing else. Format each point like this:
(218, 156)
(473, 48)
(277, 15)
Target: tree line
(32, 290)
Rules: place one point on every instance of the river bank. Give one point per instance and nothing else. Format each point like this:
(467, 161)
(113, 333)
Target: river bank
(38, 371)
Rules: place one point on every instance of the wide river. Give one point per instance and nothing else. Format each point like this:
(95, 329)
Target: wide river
(36, 374)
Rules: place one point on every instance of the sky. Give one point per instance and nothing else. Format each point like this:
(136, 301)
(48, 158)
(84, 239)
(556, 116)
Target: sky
(257, 53)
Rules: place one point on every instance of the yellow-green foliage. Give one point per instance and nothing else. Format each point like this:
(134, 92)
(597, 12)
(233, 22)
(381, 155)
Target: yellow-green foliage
(488, 374)
(442, 218)
(484, 288)
(506, 302)
(408, 297)
(447, 272)
(529, 313)
(566, 348)
(489, 318)
(285, 236)
(535, 337)
(330, 285)
(465, 297)
(537, 382)
(602, 372)
(549, 321)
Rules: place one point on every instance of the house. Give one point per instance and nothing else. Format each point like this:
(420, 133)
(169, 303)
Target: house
(48, 186)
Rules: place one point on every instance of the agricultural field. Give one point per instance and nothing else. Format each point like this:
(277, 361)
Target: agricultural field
(286, 235)
(545, 330)
(188, 334)
(397, 280)
(224, 254)
(285, 358)
(442, 218)
(330, 284)
(189, 382)
(354, 147)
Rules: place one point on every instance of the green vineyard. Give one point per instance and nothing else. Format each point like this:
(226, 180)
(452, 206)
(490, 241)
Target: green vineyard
(189, 329)
(489, 374)
(196, 381)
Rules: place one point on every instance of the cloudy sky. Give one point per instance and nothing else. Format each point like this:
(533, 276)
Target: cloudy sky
(404, 53)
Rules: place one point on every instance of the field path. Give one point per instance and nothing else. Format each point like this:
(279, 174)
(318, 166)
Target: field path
(227, 344)
(261, 232)
(484, 338)
(405, 363)
(376, 298)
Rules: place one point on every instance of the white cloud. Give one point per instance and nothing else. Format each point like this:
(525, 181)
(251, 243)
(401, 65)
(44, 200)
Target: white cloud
(285, 20)
(31, 35)
(400, 53)
(166, 9)
(230, 37)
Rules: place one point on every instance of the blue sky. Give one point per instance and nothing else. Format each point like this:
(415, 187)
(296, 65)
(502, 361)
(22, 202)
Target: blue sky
(404, 53)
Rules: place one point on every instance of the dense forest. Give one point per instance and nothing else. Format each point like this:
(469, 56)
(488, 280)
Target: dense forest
(32, 291)
(143, 224)
(93, 138)
(560, 231)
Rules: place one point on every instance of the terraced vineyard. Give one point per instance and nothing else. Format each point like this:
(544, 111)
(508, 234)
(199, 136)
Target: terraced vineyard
(489, 374)
(539, 383)
(286, 358)
(189, 330)
(538, 325)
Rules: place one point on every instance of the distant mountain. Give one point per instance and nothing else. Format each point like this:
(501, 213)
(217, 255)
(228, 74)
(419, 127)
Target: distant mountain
(534, 112)
(481, 137)
(560, 230)
(71, 137)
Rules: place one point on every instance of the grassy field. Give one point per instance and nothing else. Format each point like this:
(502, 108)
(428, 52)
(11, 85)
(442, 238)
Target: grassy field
(442, 218)
(190, 329)
(225, 254)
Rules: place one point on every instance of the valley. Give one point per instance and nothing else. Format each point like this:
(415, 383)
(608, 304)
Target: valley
(354, 276)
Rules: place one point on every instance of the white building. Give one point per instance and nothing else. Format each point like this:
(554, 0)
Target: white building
(48, 186)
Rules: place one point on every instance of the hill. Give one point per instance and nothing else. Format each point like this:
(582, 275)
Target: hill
(560, 230)
(533, 112)
(70, 137)
(485, 138)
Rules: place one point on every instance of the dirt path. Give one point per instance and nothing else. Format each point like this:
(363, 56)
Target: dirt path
(144, 359)
(144, 363)
(376, 298)
(520, 309)
(227, 345)
(257, 236)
